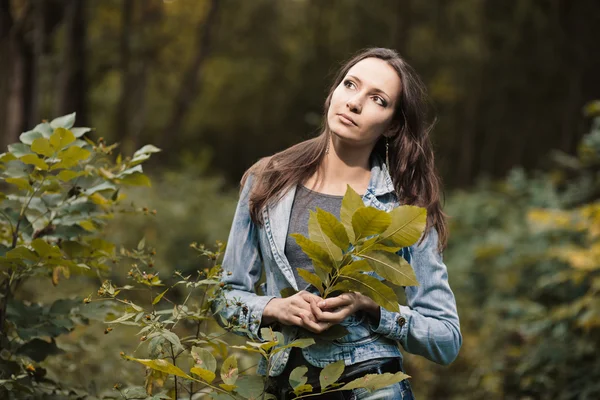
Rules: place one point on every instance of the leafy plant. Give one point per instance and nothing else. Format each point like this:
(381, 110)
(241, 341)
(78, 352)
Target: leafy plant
(365, 240)
(62, 189)
(174, 337)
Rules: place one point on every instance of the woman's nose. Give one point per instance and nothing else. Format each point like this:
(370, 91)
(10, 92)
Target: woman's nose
(353, 105)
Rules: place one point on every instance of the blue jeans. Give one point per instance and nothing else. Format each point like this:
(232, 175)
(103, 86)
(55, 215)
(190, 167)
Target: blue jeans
(397, 391)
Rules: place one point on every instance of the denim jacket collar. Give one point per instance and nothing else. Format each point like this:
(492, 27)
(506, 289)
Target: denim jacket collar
(381, 181)
(276, 217)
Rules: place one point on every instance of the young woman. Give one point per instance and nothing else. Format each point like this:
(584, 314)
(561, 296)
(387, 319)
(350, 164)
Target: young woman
(375, 138)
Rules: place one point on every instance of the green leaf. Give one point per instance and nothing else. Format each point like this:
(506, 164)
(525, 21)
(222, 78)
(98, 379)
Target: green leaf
(70, 157)
(250, 386)
(22, 252)
(147, 149)
(250, 349)
(136, 179)
(44, 128)
(351, 202)
(227, 387)
(66, 175)
(18, 150)
(303, 389)
(267, 333)
(322, 262)
(79, 132)
(373, 244)
(32, 159)
(331, 373)
(392, 267)
(287, 292)
(300, 343)
(42, 146)
(44, 249)
(6, 157)
(298, 376)
(356, 266)
(204, 359)
(204, 374)
(161, 365)
(316, 234)
(373, 382)
(21, 183)
(311, 278)
(66, 121)
(29, 137)
(170, 336)
(369, 221)
(407, 226)
(141, 244)
(122, 318)
(160, 296)
(333, 229)
(229, 370)
(61, 138)
(369, 286)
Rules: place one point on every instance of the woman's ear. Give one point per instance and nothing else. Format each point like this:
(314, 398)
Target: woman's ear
(392, 130)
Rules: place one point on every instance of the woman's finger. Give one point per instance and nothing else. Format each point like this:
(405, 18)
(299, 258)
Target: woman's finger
(334, 302)
(308, 297)
(316, 311)
(335, 317)
(316, 327)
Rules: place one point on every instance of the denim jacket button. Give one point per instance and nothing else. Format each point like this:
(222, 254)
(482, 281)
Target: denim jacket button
(401, 321)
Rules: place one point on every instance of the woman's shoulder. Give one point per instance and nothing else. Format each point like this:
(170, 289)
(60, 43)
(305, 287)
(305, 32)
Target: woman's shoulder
(255, 169)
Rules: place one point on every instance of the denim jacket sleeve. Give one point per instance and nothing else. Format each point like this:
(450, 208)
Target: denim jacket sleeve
(242, 267)
(428, 325)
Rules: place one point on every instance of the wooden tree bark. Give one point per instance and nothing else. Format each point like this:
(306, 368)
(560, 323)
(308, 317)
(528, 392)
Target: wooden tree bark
(6, 23)
(191, 86)
(121, 122)
(18, 70)
(73, 83)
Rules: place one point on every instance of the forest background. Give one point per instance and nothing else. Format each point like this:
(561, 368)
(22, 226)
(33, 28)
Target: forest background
(217, 84)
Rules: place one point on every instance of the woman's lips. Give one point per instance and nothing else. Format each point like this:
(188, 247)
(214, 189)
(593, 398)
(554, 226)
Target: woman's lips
(345, 120)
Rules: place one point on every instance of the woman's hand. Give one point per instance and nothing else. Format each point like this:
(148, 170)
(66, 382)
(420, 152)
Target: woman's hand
(336, 309)
(295, 310)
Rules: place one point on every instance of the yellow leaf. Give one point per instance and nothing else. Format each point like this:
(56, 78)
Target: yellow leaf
(42, 146)
(161, 365)
(66, 175)
(204, 374)
(61, 138)
(88, 225)
(21, 183)
(33, 159)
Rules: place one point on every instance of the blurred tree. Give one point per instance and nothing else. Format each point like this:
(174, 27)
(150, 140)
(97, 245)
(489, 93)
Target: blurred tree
(246, 79)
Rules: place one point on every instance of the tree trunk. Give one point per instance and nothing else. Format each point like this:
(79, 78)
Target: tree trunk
(73, 83)
(191, 85)
(121, 122)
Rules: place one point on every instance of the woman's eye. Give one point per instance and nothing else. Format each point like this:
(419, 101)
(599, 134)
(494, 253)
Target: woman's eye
(382, 102)
(348, 82)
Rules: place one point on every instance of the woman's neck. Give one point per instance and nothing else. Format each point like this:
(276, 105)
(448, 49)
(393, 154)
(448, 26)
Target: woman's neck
(340, 167)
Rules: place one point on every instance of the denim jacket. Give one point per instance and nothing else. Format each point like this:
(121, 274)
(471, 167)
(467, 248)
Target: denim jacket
(427, 325)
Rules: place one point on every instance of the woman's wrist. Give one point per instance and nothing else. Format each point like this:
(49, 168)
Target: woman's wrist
(371, 308)
(269, 315)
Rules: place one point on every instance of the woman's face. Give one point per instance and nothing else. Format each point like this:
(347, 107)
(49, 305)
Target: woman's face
(368, 96)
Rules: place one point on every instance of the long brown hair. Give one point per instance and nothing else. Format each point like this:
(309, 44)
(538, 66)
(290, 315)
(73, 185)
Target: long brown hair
(411, 157)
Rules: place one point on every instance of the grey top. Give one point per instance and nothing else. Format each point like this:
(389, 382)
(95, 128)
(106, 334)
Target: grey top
(305, 200)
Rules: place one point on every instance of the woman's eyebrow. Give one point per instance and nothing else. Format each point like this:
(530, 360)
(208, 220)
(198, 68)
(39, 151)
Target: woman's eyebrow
(374, 89)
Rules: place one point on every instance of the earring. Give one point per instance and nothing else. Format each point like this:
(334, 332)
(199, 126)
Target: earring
(387, 153)
(327, 148)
